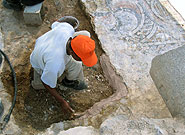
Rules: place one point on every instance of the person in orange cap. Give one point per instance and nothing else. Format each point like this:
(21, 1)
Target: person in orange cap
(81, 48)
(62, 50)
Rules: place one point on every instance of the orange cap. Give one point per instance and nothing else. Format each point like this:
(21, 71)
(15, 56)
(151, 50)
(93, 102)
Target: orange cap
(84, 47)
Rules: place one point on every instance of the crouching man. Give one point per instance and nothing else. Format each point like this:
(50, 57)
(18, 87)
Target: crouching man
(57, 51)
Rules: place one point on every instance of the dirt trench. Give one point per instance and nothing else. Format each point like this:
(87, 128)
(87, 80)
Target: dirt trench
(37, 110)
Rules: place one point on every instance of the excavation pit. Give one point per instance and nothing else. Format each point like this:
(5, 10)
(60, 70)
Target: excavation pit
(130, 53)
(36, 110)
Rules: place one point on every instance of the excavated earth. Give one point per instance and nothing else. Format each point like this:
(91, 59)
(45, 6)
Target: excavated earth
(37, 110)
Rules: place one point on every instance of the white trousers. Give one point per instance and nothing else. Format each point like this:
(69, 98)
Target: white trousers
(74, 70)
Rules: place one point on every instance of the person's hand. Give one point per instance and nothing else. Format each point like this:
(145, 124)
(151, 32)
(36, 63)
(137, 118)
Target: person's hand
(66, 108)
(77, 115)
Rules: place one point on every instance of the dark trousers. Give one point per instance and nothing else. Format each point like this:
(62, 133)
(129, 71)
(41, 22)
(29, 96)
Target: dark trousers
(13, 1)
(31, 2)
(25, 2)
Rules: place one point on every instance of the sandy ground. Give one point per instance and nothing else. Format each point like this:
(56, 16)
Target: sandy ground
(37, 110)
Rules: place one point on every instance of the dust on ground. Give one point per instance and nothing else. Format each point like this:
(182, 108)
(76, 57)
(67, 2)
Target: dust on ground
(37, 110)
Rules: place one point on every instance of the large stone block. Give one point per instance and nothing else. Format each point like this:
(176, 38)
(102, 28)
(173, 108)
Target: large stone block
(168, 74)
(33, 14)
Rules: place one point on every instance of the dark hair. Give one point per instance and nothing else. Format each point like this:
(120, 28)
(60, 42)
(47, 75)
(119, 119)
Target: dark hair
(70, 42)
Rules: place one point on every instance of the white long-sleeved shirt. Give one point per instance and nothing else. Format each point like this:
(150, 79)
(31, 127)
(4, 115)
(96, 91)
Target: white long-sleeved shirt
(49, 56)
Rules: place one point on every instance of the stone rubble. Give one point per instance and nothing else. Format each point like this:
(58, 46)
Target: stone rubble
(122, 125)
(74, 131)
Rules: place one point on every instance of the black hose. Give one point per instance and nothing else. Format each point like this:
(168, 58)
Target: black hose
(7, 117)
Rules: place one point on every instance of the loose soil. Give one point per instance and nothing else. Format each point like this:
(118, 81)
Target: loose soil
(36, 110)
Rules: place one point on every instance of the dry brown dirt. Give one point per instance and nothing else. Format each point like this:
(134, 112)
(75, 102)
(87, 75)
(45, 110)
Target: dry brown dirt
(37, 110)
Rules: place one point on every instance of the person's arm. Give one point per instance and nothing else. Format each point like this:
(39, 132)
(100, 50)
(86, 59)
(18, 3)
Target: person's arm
(65, 106)
(54, 66)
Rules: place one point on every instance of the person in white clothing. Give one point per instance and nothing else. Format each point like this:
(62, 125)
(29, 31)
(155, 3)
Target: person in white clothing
(59, 50)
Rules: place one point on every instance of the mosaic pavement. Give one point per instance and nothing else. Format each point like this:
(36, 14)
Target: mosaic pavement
(132, 33)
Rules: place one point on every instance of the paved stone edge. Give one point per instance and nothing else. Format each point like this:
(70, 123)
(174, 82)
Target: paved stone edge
(114, 79)
(171, 9)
